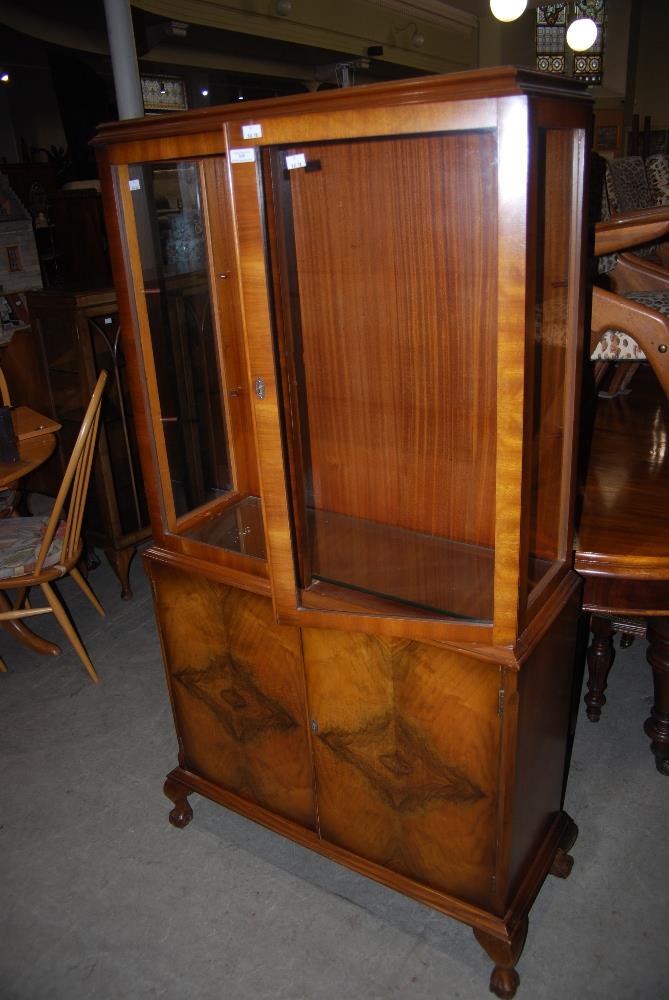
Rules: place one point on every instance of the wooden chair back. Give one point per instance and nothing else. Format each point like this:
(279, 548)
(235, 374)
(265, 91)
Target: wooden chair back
(4, 390)
(75, 484)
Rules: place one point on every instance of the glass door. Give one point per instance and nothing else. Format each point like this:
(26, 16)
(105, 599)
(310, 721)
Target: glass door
(197, 385)
(555, 348)
(385, 290)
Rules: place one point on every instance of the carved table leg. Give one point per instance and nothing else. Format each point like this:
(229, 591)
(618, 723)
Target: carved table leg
(504, 979)
(657, 726)
(600, 657)
(182, 813)
(563, 861)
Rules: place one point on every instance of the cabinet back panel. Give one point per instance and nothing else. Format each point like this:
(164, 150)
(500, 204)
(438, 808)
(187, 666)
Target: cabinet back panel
(394, 246)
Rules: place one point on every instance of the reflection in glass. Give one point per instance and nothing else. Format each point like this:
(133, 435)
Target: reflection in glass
(553, 312)
(169, 215)
(238, 529)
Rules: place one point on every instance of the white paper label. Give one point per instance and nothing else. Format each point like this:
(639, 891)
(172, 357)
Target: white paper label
(295, 160)
(242, 155)
(108, 319)
(134, 185)
(251, 131)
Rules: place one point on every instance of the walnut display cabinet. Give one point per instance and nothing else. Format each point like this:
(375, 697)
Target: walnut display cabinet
(352, 327)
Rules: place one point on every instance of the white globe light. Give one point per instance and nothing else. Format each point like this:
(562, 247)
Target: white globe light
(581, 34)
(507, 10)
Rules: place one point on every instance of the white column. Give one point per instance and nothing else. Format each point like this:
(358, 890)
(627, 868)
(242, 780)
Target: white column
(124, 59)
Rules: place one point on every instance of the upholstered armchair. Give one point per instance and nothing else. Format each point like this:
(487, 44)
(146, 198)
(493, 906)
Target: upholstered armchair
(630, 320)
(630, 185)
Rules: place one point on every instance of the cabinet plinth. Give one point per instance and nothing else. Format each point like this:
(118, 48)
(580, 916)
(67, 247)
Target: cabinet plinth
(353, 343)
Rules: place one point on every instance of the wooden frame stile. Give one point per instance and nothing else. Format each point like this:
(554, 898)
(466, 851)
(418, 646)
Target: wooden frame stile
(513, 154)
(255, 316)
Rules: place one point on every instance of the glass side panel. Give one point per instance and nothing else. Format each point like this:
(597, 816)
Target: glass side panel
(386, 311)
(238, 528)
(553, 338)
(169, 215)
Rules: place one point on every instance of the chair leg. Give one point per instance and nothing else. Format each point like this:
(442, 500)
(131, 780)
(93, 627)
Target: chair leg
(22, 599)
(3, 666)
(82, 583)
(68, 628)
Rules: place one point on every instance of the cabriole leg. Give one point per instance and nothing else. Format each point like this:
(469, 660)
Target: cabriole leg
(182, 813)
(504, 979)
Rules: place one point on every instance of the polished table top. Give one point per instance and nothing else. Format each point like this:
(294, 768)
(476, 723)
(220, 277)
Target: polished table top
(36, 436)
(624, 524)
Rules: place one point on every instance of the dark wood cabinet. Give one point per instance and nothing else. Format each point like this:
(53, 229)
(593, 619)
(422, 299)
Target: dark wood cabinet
(353, 325)
(78, 334)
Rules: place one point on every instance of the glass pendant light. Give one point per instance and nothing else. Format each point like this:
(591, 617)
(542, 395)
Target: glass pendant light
(581, 34)
(507, 10)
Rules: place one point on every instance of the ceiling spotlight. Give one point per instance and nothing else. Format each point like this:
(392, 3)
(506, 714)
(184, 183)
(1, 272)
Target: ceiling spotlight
(204, 92)
(4, 76)
(507, 10)
(581, 34)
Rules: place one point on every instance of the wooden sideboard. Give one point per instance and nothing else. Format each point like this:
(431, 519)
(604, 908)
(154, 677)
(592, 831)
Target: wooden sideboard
(76, 335)
(353, 325)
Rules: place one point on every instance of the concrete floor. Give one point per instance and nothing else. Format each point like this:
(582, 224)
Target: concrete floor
(101, 898)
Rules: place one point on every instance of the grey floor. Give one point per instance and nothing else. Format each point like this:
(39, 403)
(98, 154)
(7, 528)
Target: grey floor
(101, 898)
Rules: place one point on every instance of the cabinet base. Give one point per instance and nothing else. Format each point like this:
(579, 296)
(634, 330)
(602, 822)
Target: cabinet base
(502, 938)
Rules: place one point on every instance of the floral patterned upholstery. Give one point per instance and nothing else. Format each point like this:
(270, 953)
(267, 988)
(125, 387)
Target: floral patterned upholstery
(8, 500)
(625, 189)
(627, 185)
(657, 171)
(616, 345)
(20, 540)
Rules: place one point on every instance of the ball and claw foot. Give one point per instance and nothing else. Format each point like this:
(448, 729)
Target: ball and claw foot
(562, 864)
(182, 813)
(504, 982)
(563, 861)
(504, 979)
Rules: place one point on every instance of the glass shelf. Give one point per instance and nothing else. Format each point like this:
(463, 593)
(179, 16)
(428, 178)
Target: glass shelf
(437, 574)
(238, 529)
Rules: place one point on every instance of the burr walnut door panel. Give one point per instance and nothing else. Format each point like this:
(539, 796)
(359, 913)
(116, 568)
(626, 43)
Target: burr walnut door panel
(237, 686)
(406, 746)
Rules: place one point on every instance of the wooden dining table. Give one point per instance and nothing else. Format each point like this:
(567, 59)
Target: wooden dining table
(36, 441)
(623, 544)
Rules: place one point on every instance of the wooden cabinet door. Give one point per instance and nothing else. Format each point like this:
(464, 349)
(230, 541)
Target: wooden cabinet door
(406, 751)
(237, 687)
